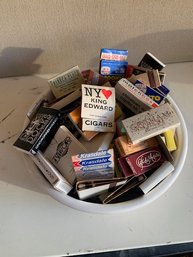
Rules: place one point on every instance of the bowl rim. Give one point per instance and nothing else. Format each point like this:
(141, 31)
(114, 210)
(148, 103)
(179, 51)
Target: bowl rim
(123, 206)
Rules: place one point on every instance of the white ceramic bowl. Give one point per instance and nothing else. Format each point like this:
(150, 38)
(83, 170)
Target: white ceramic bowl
(179, 157)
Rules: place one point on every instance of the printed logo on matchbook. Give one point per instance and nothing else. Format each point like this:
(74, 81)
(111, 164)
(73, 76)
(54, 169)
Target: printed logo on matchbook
(145, 160)
(148, 159)
(62, 149)
(98, 102)
(98, 108)
(35, 128)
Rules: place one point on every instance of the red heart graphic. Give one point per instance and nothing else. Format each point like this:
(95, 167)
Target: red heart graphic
(106, 93)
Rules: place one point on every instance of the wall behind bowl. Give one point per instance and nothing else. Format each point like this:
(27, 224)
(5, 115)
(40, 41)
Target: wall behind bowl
(50, 36)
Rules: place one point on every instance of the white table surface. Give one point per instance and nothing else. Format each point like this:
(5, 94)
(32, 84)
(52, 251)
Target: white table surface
(34, 224)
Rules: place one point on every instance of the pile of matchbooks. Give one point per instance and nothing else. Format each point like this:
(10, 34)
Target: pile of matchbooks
(104, 137)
